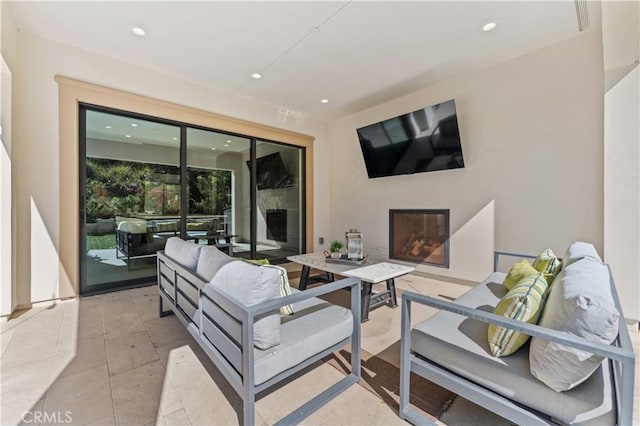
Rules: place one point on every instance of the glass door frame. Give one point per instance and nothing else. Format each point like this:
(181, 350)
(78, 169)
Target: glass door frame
(83, 107)
(85, 288)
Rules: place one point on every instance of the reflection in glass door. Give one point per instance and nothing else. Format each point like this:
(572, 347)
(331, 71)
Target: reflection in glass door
(241, 192)
(279, 201)
(130, 197)
(215, 182)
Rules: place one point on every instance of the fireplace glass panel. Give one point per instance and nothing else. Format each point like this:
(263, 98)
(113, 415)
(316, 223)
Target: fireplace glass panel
(419, 236)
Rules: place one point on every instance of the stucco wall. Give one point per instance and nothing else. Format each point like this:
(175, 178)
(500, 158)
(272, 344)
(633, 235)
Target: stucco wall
(36, 157)
(532, 136)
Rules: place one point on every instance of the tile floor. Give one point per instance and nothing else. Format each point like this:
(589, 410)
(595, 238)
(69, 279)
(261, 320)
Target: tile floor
(109, 359)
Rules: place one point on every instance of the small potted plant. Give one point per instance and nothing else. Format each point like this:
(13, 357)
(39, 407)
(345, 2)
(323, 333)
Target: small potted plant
(335, 248)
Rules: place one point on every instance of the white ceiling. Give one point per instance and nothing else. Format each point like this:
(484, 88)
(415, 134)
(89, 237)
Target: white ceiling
(356, 54)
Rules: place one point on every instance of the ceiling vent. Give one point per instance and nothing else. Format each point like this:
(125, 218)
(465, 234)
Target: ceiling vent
(583, 15)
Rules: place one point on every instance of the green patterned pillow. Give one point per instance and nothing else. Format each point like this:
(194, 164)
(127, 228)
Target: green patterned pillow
(524, 302)
(517, 272)
(548, 264)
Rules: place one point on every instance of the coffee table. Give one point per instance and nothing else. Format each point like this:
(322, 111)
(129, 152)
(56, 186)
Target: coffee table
(369, 274)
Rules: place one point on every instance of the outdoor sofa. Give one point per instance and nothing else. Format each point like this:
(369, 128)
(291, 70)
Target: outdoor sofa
(254, 333)
(452, 349)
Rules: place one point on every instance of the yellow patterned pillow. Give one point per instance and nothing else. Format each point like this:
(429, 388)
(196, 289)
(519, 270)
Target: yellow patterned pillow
(548, 264)
(259, 261)
(517, 272)
(524, 302)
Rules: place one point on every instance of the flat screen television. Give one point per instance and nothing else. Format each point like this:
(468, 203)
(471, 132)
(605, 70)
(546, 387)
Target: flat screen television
(421, 141)
(271, 172)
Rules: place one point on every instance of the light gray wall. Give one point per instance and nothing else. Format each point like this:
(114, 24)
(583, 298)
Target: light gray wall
(621, 51)
(622, 189)
(8, 59)
(531, 131)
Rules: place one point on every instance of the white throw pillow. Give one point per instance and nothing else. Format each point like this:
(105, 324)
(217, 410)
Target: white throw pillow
(183, 252)
(251, 284)
(579, 250)
(579, 303)
(133, 227)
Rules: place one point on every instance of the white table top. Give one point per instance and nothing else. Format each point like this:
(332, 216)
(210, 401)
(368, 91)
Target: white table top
(317, 260)
(379, 272)
(371, 272)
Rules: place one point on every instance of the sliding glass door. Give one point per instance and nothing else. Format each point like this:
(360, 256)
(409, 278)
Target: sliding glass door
(144, 180)
(279, 207)
(130, 197)
(215, 184)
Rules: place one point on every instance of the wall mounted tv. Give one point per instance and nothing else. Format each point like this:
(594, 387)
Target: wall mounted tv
(421, 141)
(271, 172)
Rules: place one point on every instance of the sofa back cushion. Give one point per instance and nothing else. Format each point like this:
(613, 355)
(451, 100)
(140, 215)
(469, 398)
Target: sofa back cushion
(183, 252)
(580, 303)
(250, 284)
(210, 261)
(285, 287)
(579, 250)
(133, 227)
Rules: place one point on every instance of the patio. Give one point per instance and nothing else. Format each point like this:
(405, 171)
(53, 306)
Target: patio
(109, 359)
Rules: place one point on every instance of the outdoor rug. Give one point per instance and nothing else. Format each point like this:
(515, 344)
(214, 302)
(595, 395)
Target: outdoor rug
(379, 376)
(383, 380)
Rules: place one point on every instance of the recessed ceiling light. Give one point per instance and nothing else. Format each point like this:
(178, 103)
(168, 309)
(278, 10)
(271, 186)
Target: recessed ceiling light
(489, 26)
(138, 31)
(134, 125)
(228, 140)
(107, 127)
(213, 149)
(127, 136)
(256, 75)
(324, 101)
(175, 139)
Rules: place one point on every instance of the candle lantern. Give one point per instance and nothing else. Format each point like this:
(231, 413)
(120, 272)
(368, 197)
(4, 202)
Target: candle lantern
(355, 248)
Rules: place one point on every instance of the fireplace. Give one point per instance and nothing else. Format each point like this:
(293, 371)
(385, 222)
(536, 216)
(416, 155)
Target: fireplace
(277, 224)
(419, 236)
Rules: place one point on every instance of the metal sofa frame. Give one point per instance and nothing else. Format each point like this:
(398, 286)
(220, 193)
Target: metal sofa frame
(181, 289)
(620, 354)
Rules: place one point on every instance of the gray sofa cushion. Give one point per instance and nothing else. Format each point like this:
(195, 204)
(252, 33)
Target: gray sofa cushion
(133, 227)
(315, 326)
(581, 304)
(460, 345)
(250, 284)
(579, 250)
(210, 261)
(183, 252)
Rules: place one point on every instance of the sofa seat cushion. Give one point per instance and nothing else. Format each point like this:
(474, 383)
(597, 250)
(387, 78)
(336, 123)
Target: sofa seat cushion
(183, 252)
(315, 326)
(460, 345)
